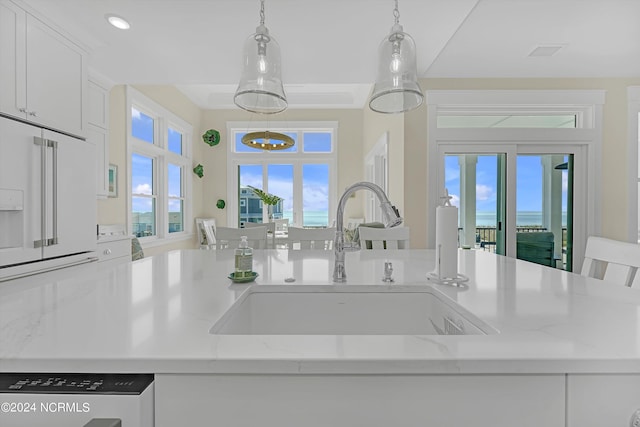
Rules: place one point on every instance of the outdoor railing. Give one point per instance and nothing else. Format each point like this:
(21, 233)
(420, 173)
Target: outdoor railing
(486, 236)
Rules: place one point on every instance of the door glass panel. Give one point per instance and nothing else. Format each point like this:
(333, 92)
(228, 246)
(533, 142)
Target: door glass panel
(315, 195)
(280, 183)
(476, 184)
(544, 213)
(303, 190)
(249, 204)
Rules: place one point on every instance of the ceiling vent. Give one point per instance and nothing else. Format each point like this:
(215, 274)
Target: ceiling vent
(548, 50)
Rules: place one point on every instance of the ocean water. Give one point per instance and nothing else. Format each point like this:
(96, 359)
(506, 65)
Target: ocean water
(483, 219)
(311, 218)
(523, 218)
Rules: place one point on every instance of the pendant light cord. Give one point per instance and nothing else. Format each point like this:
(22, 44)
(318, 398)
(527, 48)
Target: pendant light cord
(396, 13)
(262, 11)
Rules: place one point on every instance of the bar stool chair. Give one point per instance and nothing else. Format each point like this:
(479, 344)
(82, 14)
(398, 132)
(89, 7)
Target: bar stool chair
(229, 238)
(611, 260)
(271, 231)
(384, 238)
(311, 238)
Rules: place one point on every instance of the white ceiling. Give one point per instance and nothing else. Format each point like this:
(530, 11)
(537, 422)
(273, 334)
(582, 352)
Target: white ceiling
(329, 47)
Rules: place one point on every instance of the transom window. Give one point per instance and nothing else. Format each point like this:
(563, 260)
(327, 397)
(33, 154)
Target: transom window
(159, 160)
(498, 120)
(303, 176)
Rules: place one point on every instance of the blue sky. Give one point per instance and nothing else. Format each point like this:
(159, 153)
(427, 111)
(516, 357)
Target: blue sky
(528, 182)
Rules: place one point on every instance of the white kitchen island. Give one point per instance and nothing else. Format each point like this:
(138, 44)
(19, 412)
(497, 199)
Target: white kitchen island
(567, 351)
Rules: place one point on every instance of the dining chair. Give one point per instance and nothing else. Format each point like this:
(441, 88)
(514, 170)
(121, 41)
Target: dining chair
(229, 238)
(281, 225)
(537, 247)
(209, 227)
(271, 231)
(136, 249)
(282, 235)
(384, 238)
(311, 238)
(206, 229)
(611, 260)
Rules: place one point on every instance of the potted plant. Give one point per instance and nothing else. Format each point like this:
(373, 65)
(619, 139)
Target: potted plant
(268, 199)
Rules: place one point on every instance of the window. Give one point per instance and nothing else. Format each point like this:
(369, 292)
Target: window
(159, 186)
(303, 176)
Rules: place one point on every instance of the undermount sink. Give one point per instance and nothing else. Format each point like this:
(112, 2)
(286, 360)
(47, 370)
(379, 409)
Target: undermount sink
(346, 310)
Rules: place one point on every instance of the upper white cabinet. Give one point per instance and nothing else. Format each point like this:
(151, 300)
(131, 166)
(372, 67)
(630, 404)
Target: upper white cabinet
(98, 129)
(42, 73)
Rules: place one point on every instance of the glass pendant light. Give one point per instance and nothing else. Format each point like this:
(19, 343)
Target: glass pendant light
(396, 89)
(260, 89)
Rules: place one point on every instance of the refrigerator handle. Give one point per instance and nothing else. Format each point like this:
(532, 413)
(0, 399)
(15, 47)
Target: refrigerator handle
(44, 144)
(43, 196)
(54, 173)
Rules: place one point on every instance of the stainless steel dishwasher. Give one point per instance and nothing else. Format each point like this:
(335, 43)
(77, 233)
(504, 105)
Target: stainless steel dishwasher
(76, 400)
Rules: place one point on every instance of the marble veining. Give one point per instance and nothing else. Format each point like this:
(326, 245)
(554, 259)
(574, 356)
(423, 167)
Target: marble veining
(154, 315)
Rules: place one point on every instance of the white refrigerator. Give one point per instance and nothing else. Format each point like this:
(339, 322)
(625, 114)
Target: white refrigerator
(47, 199)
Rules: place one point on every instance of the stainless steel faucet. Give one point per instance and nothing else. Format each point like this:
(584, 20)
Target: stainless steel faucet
(390, 218)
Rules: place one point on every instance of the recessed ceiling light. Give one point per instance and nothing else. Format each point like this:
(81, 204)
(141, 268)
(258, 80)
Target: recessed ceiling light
(117, 21)
(548, 50)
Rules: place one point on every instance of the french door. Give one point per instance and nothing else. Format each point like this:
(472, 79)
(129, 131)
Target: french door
(305, 188)
(517, 200)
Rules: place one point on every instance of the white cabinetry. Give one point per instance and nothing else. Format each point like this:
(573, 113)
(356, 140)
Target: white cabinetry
(360, 400)
(42, 73)
(98, 130)
(597, 400)
(114, 250)
(114, 246)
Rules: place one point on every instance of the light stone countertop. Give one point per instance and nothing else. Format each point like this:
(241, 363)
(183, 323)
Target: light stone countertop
(154, 315)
